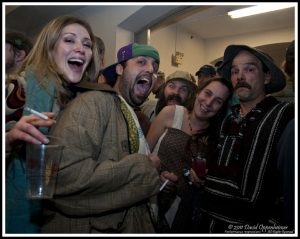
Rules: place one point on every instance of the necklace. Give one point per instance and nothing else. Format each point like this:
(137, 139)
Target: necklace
(191, 129)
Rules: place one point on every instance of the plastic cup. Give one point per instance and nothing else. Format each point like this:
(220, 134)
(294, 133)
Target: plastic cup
(42, 162)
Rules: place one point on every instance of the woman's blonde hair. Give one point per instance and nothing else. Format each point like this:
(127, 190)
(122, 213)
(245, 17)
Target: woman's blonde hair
(40, 59)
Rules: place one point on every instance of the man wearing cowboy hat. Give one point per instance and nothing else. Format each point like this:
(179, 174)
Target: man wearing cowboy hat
(242, 188)
(106, 176)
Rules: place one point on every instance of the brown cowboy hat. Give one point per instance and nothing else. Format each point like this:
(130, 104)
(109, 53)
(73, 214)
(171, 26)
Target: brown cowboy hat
(278, 80)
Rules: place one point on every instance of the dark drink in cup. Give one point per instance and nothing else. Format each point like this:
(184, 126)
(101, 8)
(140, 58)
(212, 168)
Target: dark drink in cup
(199, 166)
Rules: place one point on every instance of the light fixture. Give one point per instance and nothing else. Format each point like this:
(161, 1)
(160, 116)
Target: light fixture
(259, 9)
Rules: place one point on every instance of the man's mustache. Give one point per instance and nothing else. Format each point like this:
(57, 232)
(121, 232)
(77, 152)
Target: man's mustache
(174, 97)
(242, 84)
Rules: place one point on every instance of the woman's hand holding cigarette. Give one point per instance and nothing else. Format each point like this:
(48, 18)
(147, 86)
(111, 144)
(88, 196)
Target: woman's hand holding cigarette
(26, 129)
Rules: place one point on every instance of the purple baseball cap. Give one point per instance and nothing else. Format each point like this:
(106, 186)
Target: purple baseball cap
(125, 53)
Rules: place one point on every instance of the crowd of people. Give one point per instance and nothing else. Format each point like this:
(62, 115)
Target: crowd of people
(202, 157)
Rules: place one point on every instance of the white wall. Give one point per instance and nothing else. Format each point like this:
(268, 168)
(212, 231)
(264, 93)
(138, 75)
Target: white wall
(216, 47)
(166, 40)
(123, 37)
(198, 52)
(104, 21)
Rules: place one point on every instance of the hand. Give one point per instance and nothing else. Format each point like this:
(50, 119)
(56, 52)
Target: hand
(172, 183)
(26, 129)
(155, 161)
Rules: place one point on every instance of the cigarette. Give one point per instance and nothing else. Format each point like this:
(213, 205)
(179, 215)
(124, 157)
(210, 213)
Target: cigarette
(45, 117)
(164, 184)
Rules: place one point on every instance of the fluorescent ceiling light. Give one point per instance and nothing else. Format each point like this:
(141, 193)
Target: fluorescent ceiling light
(259, 9)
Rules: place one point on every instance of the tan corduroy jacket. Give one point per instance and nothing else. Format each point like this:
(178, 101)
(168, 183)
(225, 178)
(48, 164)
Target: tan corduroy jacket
(101, 188)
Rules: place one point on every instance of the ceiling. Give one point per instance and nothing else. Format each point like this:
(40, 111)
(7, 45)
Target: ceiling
(213, 22)
(36, 16)
(204, 21)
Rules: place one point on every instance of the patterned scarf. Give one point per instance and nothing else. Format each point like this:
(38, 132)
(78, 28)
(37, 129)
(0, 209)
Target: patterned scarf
(132, 129)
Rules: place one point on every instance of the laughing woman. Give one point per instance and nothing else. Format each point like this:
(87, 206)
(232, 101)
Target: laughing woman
(179, 137)
(63, 53)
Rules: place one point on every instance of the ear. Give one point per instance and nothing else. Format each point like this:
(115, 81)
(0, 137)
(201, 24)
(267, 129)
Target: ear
(20, 55)
(119, 69)
(268, 77)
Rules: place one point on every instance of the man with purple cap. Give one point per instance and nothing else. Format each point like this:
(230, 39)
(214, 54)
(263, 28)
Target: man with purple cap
(107, 176)
(242, 191)
(112, 73)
